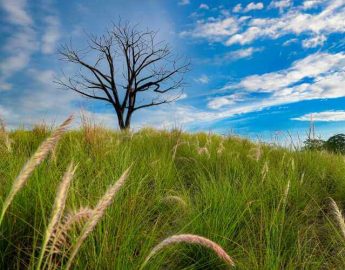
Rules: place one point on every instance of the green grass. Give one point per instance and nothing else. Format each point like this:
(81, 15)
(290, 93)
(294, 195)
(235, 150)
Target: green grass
(237, 198)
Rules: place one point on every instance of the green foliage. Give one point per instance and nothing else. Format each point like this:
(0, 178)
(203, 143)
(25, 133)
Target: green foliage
(336, 144)
(266, 206)
(314, 144)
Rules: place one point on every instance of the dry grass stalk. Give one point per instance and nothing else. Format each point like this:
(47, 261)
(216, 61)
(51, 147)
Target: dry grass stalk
(40, 129)
(264, 170)
(302, 178)
(174, 150)
(286, 192)
(220, 148)
(5, 136)
(33, 162)
(191, 239)
(58, 208)
(338, 217)
(59, 238)
(293, 164)
(97, 214)
(255, 153)
(2, 126)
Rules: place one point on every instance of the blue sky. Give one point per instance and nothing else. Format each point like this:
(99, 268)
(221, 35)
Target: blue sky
(259, 68)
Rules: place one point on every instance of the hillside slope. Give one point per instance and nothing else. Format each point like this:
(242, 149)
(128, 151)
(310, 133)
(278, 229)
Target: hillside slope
(268, 207)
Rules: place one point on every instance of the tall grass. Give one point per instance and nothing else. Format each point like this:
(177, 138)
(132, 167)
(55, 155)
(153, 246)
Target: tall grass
(265, 206)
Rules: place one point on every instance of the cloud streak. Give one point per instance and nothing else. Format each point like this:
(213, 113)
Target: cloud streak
(326, 116)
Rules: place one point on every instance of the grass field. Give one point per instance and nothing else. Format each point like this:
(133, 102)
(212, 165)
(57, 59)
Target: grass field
(267, 207)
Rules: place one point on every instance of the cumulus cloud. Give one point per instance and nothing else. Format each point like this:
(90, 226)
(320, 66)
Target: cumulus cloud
(318, 67)
(325, 116)
(315, 41)
(330, 18)
(308, 4)
(214, 29)
(253, 6)
(317, 76)
(280, 4)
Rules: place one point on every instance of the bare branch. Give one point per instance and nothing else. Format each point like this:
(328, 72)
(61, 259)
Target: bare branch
(128, 61)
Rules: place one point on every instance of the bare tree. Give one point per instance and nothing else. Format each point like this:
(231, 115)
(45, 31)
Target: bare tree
(127, 68)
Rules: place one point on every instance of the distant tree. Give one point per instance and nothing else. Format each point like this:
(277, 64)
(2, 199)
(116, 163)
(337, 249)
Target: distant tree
(127, 68)
(336, 144)
(314, 144)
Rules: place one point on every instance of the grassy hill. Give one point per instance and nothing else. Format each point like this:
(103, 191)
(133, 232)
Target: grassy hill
(267, 207)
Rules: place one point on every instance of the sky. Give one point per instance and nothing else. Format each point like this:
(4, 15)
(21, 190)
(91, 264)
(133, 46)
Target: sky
(258, 68)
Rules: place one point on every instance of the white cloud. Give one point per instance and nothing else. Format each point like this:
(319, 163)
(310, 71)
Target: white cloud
(237, 8)
(241, 53)
(16, 12)
(214, 29)
(51, 34)
(330, 18)
(217, 103)
(308, 4)
(20, 45)
(325, 116)
(24, 39)
(290, 41)
(253, 6)
(317, 76)
(316, 66)
(184, 2)
(203, 79)
(313, 42)
(204, 6)
(280, 4)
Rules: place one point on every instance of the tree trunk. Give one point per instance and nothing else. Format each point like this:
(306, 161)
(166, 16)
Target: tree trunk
(128, 119)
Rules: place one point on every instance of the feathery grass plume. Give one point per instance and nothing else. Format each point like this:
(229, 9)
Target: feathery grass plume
(286, 192)
(338, 217)
(255, 153)
(97, 214)
(33, 162)
(190, 239)
(2, 126)
(60, 235)
(174, 150)
(220, 148)
(264, 170)
(58, 208)
(5, 137)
